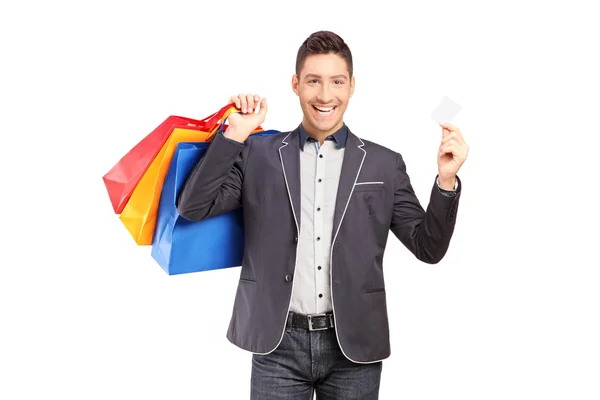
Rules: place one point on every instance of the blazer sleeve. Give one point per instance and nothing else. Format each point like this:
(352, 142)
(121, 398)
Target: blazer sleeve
(214, 186)
(427, 233)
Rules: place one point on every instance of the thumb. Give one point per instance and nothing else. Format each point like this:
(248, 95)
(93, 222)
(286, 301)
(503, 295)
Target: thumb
(263, 107)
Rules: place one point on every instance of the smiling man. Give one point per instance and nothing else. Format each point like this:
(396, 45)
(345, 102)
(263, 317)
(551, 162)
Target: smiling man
(319, 203)
(324, 92)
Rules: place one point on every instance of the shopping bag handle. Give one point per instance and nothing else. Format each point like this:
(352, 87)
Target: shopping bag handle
(211, 122)
(228, 113)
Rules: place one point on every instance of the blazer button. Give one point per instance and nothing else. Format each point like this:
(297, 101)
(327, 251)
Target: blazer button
(296, 239)
(288, 278)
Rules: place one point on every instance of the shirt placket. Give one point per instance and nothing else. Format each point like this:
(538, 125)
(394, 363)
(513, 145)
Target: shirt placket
(318, 226)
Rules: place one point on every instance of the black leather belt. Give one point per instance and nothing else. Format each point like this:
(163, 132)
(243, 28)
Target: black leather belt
(313, 322)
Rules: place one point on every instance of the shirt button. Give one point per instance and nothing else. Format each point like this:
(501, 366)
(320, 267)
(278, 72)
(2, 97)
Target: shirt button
(320, 155)
(320, 295)
(318, 238)
(319, 267)
(318, 208)
(288, 278)
(319, 179)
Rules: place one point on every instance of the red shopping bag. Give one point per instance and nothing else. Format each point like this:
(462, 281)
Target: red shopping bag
(123, 177)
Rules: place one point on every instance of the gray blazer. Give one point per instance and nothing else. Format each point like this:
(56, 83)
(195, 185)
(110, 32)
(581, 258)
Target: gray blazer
(375, 197)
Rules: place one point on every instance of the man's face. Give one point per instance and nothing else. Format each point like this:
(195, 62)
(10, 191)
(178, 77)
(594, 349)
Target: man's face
(324, 88)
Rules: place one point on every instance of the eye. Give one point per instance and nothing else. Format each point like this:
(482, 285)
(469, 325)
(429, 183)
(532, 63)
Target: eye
(313, 81)
(338, 82)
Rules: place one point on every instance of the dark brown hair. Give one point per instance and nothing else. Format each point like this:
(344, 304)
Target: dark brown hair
(323, 42)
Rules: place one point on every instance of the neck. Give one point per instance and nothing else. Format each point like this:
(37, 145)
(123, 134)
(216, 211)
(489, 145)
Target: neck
(318, 134)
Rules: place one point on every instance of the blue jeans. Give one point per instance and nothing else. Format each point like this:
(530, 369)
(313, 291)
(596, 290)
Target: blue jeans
(308, 361)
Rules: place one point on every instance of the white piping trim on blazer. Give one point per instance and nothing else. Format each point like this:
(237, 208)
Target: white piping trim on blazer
(368, 183)
(297, 233)
(331, 254)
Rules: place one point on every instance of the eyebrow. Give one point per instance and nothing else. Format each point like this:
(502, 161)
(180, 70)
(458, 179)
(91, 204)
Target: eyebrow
(319, 76)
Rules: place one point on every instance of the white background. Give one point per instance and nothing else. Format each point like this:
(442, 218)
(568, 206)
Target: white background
(512, 312)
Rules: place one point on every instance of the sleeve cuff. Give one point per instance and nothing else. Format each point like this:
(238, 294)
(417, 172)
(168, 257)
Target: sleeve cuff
(448, 193)
(221, 133)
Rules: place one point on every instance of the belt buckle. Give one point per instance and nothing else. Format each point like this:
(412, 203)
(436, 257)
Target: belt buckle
(310, 322)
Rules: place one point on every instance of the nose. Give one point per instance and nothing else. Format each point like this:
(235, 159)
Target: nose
(324, 94)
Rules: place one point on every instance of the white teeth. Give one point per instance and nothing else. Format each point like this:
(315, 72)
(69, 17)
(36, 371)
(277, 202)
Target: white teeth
(324, 109)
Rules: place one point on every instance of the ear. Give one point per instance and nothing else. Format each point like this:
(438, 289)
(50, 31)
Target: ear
(295, 84)
(352, 83)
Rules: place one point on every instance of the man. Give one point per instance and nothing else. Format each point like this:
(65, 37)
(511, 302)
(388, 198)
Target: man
(318, 205)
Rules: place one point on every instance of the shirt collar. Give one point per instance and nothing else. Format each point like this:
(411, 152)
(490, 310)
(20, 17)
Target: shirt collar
(340, 136)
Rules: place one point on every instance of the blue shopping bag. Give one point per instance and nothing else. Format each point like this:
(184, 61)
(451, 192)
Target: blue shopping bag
(180, 246)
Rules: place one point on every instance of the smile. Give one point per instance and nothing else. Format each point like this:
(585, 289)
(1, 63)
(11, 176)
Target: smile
(325, 110)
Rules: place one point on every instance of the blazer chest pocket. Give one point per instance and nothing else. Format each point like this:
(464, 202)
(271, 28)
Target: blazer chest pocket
(368, 186)
(371, 195)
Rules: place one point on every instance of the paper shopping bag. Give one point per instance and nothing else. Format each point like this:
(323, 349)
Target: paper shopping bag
(123, 177)
(180, 246)
(139, 215)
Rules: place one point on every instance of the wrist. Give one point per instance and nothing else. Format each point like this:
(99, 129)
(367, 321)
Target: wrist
(234, 134)
(447, 183)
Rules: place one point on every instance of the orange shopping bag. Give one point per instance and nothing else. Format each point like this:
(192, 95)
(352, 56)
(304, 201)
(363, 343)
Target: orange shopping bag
(139, 215)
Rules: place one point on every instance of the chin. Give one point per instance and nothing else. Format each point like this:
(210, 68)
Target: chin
(323, 125)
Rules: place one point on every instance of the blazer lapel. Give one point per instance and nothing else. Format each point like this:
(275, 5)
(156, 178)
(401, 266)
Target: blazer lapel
(354, 157)
(289, 153)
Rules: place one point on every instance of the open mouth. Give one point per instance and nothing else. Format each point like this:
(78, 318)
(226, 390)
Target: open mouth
(325, 111)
